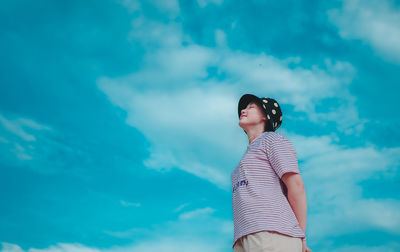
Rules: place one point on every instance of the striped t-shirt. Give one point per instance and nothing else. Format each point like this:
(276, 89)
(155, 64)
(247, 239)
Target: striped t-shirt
(258, 199)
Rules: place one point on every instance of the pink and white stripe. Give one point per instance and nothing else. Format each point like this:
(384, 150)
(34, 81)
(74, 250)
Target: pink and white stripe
(258, 201)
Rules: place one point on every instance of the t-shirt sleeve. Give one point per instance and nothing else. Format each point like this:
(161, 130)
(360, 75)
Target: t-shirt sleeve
(282, 155)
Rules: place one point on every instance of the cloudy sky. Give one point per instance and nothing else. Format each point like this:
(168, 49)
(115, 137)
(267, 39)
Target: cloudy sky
(119, 128)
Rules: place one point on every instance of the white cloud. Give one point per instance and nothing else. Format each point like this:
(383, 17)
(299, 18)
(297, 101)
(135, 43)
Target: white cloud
(179, 208)
(196, 230)
(66, 247)
(195, 213)
(152, 34)
(127, 203)
(220, 38)
(8, 247)
(204, 3)
(332, 174)
(191, 118)
(388, 247)
(191, 245)
(16, 126)
(379, 214)
(131, 5)
(20, 134)
(32, 124)
(172, 245)
(32, 144)
(170, 7)
(174, 122)
(192, 230)
(164, 245)
(20, 152)
(375, 22)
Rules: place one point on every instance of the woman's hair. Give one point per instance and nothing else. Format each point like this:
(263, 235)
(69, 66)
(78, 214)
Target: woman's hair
(267, 124)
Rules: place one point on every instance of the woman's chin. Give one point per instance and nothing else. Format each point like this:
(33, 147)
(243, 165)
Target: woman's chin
(243, 125)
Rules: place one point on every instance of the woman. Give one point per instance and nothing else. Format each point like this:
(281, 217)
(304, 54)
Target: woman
(268, 195)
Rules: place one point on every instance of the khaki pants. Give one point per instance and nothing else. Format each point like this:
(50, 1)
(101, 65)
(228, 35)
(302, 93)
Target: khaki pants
(266, 241)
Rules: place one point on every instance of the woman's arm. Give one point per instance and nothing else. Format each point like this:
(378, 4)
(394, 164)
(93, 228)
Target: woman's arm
(297, 199)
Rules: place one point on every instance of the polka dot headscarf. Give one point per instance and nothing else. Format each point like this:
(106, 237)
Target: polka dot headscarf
(270, 106)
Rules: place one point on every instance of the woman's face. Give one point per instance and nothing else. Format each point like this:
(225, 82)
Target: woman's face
(252, 115)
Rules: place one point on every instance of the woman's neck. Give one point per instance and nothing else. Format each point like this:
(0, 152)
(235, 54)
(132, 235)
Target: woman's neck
(253, 135)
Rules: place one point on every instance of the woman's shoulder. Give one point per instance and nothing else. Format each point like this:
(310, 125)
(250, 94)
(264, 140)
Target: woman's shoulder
(272, 136)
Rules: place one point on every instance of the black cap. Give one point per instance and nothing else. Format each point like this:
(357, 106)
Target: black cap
(270, 106)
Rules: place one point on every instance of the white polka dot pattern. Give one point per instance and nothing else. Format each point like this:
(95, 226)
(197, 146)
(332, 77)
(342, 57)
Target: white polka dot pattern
(270, 107)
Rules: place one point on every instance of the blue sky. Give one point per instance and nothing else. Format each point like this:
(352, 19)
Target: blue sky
(119, 128)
